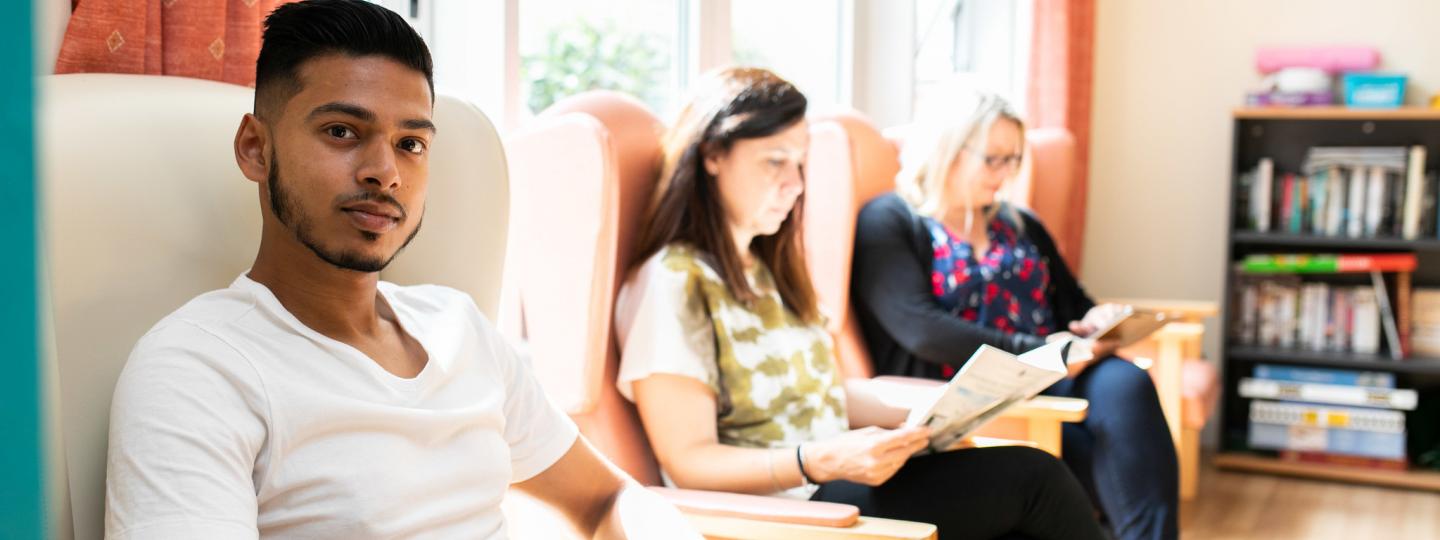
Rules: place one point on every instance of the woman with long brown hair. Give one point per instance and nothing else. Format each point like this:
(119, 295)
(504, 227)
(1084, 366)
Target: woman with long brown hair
(725, 355)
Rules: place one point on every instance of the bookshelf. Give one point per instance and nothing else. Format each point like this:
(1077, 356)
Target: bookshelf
(1285, 135)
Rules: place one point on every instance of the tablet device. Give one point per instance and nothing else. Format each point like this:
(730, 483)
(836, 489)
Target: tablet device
(1133, 325)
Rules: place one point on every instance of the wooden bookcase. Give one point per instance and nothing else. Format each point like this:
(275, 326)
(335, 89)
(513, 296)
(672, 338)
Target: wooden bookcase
(1284, 135)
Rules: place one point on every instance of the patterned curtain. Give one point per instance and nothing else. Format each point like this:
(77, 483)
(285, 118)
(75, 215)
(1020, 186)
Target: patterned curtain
(1061, 67)
(204, 39)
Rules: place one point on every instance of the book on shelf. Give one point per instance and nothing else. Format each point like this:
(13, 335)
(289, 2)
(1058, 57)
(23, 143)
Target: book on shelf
(1357, 192)
(1404, 399)
(1352, 442)
(1328, 263)
(1425, 322)
(1341, 460)
(1327, 416)
(1305, 374)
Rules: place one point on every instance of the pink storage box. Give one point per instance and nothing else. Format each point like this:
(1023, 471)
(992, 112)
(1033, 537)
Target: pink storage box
(1331, 59)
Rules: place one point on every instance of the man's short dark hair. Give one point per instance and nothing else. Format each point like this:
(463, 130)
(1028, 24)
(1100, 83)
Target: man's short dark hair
(301, 31)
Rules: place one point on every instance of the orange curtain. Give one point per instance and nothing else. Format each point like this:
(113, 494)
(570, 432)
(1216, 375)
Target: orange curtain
(205, 39)
(1061, 68)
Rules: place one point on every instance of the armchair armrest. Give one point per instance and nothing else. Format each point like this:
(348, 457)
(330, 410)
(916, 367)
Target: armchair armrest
(729, 515)
(733, 515)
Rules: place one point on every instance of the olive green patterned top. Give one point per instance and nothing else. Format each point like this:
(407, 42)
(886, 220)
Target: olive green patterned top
(773, 375)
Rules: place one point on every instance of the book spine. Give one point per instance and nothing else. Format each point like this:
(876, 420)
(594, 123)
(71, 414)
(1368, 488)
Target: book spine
(1414, 191)
(1387, 317)
(1403, 321)
(1355, 214)
(1264, 178)
(1337, 202)
(1364, 321)
(1374, 201)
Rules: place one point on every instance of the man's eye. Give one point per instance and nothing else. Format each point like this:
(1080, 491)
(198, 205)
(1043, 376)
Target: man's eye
(414, 146)
(340, 132)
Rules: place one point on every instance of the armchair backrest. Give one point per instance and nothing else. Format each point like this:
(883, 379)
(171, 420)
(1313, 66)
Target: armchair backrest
(601, 150)
(849, 164)
(145, 209)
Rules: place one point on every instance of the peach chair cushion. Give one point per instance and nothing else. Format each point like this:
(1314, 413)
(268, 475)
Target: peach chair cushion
(849, 164)
(565, 251)
(611, 160)
(1200, 388)
(145, 209)
(1044, 186)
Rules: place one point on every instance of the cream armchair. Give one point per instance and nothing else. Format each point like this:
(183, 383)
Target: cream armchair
(145, 209)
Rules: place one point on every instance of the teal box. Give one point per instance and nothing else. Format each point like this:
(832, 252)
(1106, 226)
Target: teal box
(1379, 90)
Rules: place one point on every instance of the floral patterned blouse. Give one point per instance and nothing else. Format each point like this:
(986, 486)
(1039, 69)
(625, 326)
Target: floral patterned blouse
(1002, 288)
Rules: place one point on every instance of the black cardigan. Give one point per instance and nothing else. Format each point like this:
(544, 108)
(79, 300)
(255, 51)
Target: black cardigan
(906, 329)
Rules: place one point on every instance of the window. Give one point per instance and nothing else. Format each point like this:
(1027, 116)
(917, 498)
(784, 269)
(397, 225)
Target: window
(799, 41)
(570, 46)
(985, 43)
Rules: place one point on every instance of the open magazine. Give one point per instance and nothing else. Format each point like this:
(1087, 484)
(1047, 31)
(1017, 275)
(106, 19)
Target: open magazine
(989, 383)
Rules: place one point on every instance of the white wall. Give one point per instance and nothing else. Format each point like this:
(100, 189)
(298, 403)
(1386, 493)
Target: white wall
(51, 16)
(884, 70)
(1166, 76)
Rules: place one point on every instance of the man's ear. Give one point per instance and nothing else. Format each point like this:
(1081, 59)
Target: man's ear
(252, 148)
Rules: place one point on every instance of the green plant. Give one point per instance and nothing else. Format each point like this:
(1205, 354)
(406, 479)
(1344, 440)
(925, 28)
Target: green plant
(584, 56)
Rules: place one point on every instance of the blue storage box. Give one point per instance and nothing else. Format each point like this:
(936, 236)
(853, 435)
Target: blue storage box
(1374, 89)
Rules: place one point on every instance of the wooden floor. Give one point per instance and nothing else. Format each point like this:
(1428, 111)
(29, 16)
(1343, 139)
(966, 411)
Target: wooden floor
(1234, 505)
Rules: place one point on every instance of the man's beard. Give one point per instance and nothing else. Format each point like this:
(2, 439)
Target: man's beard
(288, 211)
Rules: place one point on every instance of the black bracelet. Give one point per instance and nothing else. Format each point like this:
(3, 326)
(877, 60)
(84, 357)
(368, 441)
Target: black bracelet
(800, 460)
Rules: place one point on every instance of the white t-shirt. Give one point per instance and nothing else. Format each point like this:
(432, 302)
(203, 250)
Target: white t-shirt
(234, 420)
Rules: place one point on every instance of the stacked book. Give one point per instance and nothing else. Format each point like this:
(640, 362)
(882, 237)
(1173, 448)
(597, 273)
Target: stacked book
(1333, 416)
(1425, 322)
(1345, 192)
(1281, 306)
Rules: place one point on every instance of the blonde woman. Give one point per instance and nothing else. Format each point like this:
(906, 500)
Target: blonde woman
(725, 356)
(945, 265)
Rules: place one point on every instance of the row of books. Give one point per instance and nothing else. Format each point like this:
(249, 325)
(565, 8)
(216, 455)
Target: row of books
(1281, 305)
(1322, 415)
(1288, 313)
(1345, 192)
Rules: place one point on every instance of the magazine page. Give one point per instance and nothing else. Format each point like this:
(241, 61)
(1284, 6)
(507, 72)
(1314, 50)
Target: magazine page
(988, 384)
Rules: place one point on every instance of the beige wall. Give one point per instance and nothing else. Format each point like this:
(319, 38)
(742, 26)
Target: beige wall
(1167, 74)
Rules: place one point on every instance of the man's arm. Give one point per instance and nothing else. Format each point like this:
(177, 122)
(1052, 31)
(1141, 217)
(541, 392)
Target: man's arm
(603, 502)
(186, 426)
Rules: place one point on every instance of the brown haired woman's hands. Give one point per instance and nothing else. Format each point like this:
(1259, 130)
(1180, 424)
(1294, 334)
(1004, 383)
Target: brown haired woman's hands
(868, 456)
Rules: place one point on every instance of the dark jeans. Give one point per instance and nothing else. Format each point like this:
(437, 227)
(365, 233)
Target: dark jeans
(1004, 492)
(1122, 452)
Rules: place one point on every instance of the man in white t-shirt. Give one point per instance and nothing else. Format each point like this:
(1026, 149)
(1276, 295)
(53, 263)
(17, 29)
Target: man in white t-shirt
(311, 400)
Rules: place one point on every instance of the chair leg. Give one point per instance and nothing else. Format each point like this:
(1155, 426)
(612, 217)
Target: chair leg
(1045, 434)
(1189, 464)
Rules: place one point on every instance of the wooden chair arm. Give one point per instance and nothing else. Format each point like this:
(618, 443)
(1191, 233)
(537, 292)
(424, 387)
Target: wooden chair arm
(733, 515)
(1184, 310)
(866, 528)
(730, 515)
